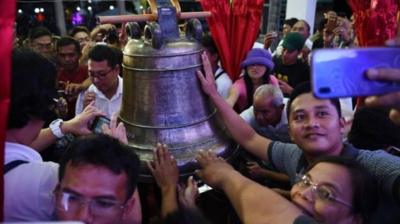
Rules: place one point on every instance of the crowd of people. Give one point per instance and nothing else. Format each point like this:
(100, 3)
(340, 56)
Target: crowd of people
(313, 160)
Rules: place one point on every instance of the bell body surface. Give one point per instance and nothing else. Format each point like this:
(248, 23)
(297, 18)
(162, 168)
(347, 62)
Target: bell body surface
(163, 103)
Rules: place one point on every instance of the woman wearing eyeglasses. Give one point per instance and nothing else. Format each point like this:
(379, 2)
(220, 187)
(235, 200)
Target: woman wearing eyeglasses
(333, 190)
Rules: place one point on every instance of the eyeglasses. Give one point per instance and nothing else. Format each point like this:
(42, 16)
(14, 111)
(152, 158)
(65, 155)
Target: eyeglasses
(85, 39)
(321, 191)
(43, 45)
(100, 74)
(72, 203)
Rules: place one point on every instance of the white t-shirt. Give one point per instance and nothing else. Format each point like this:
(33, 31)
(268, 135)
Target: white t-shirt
(28, 188)
(108, 106)
(223, 82)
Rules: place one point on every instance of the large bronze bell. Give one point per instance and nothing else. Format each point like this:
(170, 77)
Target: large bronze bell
(162, 98)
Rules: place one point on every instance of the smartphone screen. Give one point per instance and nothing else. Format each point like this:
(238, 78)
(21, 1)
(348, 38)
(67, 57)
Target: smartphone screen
(341, 72)
(98, 123)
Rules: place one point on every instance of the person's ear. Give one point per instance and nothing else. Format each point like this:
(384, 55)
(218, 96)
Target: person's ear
(133, 210)
(342, 124)
(117, 68)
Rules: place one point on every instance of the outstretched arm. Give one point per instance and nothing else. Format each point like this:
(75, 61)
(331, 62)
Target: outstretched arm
(238, 128)
(77, 125)
(253, 202)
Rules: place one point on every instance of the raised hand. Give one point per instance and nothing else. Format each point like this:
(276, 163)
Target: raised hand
(392, 99)
(213, 168)
(114, 130)
(88, 98)
(164, 168)
(207, 79)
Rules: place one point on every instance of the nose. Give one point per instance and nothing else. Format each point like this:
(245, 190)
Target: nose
(84, 214)
(312, 122)
(68, 58)
(95, 79)
(258, 116)
(307, 194)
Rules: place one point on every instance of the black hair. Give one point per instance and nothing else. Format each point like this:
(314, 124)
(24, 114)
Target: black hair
(365, 190)
(342, 14)
(372, 129)
(305, 87)
(66, 41)
(102, 52)
(291, 21)
(250, 87)
(38, 32)
(78, 29)
(103, 151)
(33, 88)
(208, 42)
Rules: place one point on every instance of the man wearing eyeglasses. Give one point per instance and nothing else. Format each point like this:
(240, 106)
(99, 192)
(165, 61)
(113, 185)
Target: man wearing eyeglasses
(97, 182)
(40, 40)
(106, 90)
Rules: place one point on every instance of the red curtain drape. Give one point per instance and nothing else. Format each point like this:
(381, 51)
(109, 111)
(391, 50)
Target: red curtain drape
(7, 15)
(375, 21)
(234, 27)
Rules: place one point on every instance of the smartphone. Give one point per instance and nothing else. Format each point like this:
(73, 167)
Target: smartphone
(98, 123)
(341, 72)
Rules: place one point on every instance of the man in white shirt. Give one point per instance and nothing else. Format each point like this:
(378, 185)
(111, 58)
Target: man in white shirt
(106, 90)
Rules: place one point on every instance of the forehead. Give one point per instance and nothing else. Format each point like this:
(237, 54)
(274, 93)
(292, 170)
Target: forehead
(94, 181)
(81, 35)
(263, 101)
(67, 49)
(332, 174)
(43, 39)
(307, 101)
(299, 25)
(98, 65)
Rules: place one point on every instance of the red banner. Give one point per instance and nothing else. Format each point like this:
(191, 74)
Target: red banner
(7, 18)
(234, 27)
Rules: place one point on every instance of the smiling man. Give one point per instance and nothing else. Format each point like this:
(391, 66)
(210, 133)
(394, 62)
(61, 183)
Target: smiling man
(316, 128)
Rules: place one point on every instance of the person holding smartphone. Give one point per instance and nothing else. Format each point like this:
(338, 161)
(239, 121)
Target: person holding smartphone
(316, 127)
(392, 99)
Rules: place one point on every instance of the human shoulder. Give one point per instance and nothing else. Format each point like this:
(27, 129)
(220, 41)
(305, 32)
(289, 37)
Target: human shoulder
(248, 114)
(280, 152)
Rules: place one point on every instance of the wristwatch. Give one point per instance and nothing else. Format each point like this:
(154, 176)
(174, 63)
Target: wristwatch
(55, 127)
